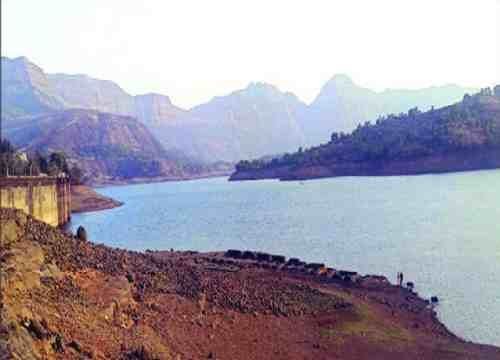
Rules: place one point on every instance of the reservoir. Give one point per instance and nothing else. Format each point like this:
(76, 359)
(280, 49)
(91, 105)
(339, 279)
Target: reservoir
(441, 231)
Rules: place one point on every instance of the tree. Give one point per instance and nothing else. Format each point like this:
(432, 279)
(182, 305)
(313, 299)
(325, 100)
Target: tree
(496, 90)
(76, 175)
(485, 92)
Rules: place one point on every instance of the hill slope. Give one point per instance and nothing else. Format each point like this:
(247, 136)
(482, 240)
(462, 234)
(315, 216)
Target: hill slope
(254, 121)
(106, 146)
(28, 90)
(341, 105)
(63, 298)
(464, 136)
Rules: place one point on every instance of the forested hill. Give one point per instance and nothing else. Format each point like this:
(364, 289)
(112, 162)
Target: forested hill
(463, 136)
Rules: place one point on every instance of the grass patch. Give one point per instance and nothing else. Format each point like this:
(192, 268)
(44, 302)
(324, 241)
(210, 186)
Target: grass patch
(360, 322)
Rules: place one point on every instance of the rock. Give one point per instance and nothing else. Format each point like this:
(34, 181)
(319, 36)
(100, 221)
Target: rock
(58, 345)
(264, 257)
(81, 233)
(278, 259)
(36, 329)
(294, 262)
(10, 232)
(236, 254)
(249, 255)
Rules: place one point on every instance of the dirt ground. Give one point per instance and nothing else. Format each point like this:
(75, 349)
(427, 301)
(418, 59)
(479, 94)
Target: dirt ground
(68, 299)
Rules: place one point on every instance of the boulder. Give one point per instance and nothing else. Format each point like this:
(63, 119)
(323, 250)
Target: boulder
(81, 233)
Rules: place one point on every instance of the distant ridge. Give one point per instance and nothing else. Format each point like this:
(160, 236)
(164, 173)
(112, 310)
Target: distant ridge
(256, 121)
(464, 136)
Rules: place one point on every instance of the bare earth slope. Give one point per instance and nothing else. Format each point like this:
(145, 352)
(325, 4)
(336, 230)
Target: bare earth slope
(67, 299)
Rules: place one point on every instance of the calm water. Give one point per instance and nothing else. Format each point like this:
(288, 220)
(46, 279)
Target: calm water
(442, 231)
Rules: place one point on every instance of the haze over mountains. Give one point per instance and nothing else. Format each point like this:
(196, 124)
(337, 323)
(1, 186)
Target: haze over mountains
(248, 123)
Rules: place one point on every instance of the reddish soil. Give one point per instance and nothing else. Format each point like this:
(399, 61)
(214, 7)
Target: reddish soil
(85, 199)
(67, 299)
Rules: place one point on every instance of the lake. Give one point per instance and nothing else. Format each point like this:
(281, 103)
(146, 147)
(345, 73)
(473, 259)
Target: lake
(441, 231)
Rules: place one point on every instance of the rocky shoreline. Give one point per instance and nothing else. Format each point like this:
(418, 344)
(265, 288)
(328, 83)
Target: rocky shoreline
(65, 298)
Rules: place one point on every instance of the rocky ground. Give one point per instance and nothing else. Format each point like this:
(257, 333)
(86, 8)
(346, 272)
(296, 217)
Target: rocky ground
(64, 298)
(84, 199)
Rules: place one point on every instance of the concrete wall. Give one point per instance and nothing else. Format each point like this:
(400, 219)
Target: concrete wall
(45, 198)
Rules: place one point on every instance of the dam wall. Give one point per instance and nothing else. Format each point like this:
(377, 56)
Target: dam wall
(47, 199)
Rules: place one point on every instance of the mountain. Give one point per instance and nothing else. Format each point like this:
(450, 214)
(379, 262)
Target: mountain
(28, 90)
(107, 146)
(154, 109)
(254, 121)
(341, 105)
(463, 136)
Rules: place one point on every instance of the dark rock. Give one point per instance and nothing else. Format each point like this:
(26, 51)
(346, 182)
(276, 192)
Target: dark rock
(236, 254)
(294, 262)
(35, 328)
(278, 259)
(264, 256)
(81, 233)
(315, 266)
(249, 255)
(75, 346)
(57, 345)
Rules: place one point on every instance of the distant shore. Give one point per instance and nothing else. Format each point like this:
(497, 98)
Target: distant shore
(448, 163)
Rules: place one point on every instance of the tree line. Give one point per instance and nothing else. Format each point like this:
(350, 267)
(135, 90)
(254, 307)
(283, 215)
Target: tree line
(468, 125)
(15, 163)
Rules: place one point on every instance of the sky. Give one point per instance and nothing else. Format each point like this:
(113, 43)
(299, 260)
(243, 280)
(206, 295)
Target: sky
(195, 50)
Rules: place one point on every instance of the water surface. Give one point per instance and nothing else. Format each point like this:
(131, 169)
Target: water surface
(442, 231)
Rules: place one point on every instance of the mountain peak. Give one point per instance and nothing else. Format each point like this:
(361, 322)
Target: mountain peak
(260, 86)
(340, 80)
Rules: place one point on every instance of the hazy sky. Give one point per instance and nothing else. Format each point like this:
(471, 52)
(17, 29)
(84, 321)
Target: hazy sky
(194, 50)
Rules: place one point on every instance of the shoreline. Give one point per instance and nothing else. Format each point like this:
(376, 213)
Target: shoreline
(86, 199)
(443, 164)
(113, 303)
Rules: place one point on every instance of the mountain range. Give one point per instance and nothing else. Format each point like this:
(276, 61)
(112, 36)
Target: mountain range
(252, 122)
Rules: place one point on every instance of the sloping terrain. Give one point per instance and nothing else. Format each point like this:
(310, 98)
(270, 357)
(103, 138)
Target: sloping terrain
(460, 137)
(64, 298)
(342, 105)
(28, 91)
(105, 146)
(254, 121)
